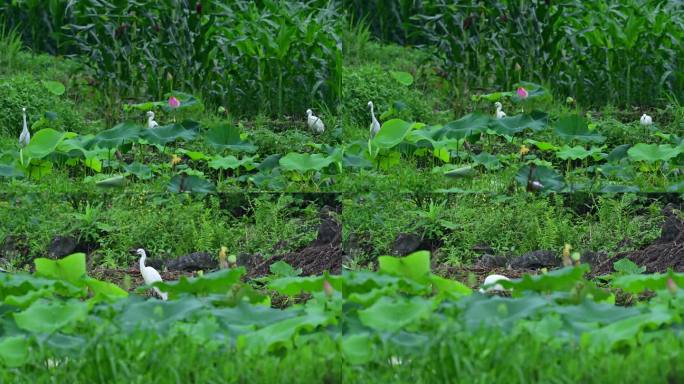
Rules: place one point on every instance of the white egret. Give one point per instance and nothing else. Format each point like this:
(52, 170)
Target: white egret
(150, 120)
(315, 123)
(646, 120)
(149, 274)
(491, 279)
(25, 136)
(499, 113)
(375, 125)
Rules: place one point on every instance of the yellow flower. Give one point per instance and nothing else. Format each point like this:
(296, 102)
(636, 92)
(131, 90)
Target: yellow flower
(175, 159)
(524, 150)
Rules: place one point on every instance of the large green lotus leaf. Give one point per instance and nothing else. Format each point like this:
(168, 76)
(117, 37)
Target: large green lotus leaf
(498, 311)
(426, 134)
(638, 283)
(357, 348)
(14, 351)
(548, 177)
(304, 162)
(282, 333)
(589, 311)
(156, 314)
(618, 153)
(488, 160)
(195, 184)
(625, 330)
(292, 286)
(392, 133)
(216, 282)
(168, 133)
(451, 288)
(193, 155)
(71, 268)
(112, 182)
(518, 123)
(563, 279)
(574, 127)
(394, 313)
(104, 290)
(542, 145)
(231, 162)
(23, 301)
(228, 136)
(114, 137)
(43, 143)
(651, 153)
(10, 171)
(244, 314)
(464, 127)
(75, 146)
(415, 266)
(45, 316)
(54, 87)
(141, 171)
(575, 153)
(404, 78)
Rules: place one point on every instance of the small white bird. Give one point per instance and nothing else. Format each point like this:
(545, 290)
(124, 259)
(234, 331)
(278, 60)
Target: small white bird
(375, 125)
(491, 279)
(315, 123)
(25, 136)
(499, 113)
(646, 120)
(150, 120)
(150, 275)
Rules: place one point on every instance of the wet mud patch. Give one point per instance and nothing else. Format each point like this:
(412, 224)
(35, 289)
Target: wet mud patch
(667, 252)
(323, 254)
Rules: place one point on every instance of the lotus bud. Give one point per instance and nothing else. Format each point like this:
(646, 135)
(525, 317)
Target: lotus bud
(671, 286)
(327, 288)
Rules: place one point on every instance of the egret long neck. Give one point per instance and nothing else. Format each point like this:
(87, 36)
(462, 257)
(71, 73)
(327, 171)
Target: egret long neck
(24, 113)
(142, 261)
(372, 113)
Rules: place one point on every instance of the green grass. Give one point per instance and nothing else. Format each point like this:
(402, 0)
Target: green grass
(510, 225)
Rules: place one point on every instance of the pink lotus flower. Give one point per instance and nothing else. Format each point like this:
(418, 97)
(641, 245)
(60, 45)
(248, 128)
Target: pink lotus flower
(327, 288)
(173, 102)
(671, 286)
(522, 93)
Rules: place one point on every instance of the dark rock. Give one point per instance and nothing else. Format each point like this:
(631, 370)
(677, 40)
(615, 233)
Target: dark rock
(61, 246)
(405, 243)
(536, 260)
(593, 258)
(13, 245)
(329, 230)
(673, 227)
(491, 262)
(483, 249)
(192, 262)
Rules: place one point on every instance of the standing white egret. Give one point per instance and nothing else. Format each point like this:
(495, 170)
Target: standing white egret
(646, 120)
(149, 274)
(499, 113)
(375, 125)
(150, 120)
(315, 123)
(491, 279)
(25, 136)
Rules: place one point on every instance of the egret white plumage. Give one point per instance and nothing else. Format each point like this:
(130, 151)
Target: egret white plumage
(25, 136)
(150, 120)
(375, 124)
(500, 114)
(149, 274)
(315, 123)
(646, 120)
(491, 279)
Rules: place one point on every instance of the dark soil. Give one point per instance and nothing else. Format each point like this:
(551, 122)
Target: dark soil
(667, 252)
(323, 254)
